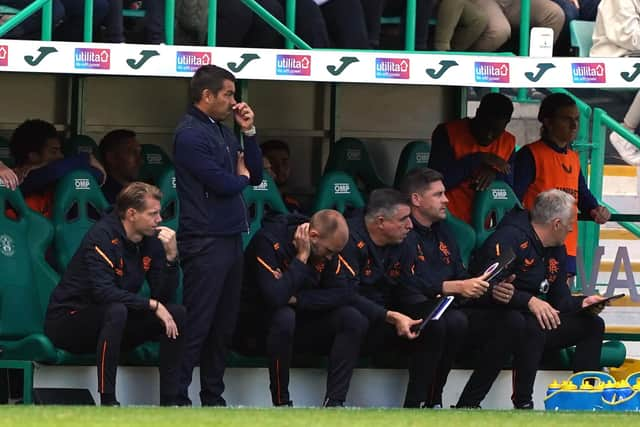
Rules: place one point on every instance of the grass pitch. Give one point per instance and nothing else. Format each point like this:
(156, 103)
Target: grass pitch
(59, 416)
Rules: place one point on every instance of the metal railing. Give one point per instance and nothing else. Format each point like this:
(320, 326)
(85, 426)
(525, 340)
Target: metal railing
(287, 30)
(47, 17)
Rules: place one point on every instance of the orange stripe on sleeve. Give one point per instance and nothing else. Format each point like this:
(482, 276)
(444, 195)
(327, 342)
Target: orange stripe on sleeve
(268, 268)
(346, 264)
(338, 267)
(497, 249)
(103, 255)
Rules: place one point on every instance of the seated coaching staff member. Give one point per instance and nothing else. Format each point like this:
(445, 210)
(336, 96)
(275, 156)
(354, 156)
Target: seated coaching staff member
(288, 306)
(551, 317)
(96, 306)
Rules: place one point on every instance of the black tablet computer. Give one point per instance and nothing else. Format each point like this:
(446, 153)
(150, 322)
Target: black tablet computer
(436, 313)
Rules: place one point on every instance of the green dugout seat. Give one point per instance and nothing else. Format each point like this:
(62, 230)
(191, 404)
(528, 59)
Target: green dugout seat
(337, 190)
(464, 234)
(78, 204)
(5, 153)
(154, 163)
(612, 354)
(581, 36)
(79, 144)
(170, 211)
(414, 155)
(489, 207)
(350, 155)
(257, 198)
(169, 208)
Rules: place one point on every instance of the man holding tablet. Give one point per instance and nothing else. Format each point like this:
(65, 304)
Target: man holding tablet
(440, 273)
(550, 316)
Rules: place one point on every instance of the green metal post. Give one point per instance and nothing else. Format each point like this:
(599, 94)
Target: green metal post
(525, 23)
(212, 22)
(410, 30)
(276, 24)
(88, 20)
(21, 16)
(592, 230)
(582, 146)
(47, 17)
(290, 16)
(27, 383)
(169, 21)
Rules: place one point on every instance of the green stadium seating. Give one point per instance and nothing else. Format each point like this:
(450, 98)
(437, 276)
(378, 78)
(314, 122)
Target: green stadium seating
(5, 153)
(414, 155)
(77, 197)
(170, 210)
(612, 354)
(257, 198)
(350, 155)
(489, 207)
(154, 163)
(464, 234)
(581, 36)
(79, 144)
(337, 190)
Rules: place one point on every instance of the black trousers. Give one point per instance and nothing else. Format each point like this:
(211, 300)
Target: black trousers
(583, 330)
(110, 328)
(238, 26)
(454, 327)
(338, 334)
(492, 335)
(424, 353)
(212, 281)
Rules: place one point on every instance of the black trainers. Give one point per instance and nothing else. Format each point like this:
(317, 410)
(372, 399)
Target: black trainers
(332, 403)
(288, 403)
(525, 405)
(108, 399)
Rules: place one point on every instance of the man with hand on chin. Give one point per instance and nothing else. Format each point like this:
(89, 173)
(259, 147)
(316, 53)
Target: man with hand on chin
(96, 305)
(212, 169)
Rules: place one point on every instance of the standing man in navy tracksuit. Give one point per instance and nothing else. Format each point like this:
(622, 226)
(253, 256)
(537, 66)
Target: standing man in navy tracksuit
(212, 169)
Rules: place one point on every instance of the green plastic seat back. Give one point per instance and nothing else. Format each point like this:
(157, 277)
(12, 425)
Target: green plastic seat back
(169, 208)
(154, 163)
(257, 198)
(78, 203)
(464, 234)
(5, 153)
(79, 144)
(489, 207)
(581, 36)
(26, 280)
(337, 190)
(350, 155)
(414, 155)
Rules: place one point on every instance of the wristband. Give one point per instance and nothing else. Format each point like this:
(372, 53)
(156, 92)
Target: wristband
(156, 307)
(249, 132)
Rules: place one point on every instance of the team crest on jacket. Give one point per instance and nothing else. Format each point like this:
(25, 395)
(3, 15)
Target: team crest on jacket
(553, 267)
(395, 270)
(146, 263)
(444, 250)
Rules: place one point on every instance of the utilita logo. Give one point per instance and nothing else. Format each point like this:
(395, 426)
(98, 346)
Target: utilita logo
(293, 65)
(94, 59)
(492, 72)
(589, 72)
(191, 61)
(4, 55)
(392, 68)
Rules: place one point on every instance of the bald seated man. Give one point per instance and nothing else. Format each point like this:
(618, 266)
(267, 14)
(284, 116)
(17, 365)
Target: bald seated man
(288, 305)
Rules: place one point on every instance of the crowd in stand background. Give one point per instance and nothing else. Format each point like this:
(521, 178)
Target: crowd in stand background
(460, 25)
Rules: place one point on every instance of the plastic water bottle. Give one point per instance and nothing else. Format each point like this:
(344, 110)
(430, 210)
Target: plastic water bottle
(623, 390)
(553, 387)
(609, 392)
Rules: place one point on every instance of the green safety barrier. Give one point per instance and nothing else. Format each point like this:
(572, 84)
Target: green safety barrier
(47, 16)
